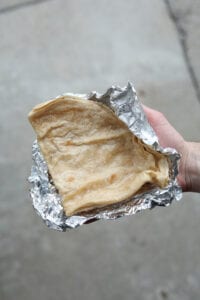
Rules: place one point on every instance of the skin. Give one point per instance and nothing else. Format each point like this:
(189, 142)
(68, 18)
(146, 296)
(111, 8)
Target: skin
(189, 168)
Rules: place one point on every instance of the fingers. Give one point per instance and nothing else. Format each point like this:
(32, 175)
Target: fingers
(150, 111)
(154, 117)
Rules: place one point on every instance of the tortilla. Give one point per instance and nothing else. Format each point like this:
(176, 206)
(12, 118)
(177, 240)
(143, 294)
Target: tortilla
(92, 156)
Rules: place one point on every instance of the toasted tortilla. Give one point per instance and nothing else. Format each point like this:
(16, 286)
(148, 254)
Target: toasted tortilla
(92, 156)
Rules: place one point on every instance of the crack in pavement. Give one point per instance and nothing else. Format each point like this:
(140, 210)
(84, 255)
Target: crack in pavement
(182, 35)
(20, 5)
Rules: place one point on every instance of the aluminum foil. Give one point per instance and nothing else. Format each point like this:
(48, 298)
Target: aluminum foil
(47, 201)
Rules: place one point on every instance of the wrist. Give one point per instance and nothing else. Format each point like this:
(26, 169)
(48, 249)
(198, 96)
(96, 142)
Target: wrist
(191, 161)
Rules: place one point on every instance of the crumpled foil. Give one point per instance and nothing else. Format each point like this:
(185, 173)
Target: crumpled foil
(47, 201)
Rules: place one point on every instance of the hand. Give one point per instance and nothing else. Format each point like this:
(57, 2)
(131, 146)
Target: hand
(189, 168)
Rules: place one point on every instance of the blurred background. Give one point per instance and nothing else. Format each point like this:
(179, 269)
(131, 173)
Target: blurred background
(56, 46)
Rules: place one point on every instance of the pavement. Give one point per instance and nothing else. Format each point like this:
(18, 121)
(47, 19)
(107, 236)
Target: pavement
(56, 46)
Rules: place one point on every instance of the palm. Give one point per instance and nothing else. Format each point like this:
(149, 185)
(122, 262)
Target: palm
(168, 137)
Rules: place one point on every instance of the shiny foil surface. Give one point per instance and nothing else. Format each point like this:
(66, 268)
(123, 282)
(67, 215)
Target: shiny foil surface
(47, 201)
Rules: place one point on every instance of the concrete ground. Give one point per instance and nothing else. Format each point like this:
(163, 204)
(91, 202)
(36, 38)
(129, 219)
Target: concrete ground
(48, 48)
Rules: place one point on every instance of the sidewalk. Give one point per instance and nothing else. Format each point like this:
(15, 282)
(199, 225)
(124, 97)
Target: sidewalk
(56, 46)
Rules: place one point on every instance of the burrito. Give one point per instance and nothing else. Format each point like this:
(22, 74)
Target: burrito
(93, 158)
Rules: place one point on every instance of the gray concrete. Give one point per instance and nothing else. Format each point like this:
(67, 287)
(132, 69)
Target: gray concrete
(186, 15)
(11, 5)
(58, 46)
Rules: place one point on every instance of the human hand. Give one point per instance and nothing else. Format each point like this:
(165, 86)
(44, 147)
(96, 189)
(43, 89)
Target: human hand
(169, 137)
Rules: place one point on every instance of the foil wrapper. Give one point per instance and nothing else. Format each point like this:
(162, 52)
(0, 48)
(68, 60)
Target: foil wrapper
(47, 201)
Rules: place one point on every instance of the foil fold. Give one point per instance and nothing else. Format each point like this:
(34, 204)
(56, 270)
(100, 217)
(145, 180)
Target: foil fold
(47, 201)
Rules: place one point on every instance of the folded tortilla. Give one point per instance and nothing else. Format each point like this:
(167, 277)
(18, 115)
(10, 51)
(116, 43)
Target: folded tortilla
(92, 156)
